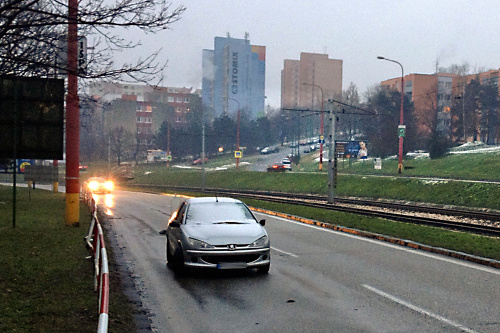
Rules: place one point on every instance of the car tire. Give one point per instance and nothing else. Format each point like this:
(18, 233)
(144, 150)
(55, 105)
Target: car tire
(170, 257)
(263, 269)
(177, 262)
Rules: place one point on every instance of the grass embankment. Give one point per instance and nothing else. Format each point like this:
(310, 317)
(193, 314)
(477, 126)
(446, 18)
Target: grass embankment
(46, 284)
(483, 195)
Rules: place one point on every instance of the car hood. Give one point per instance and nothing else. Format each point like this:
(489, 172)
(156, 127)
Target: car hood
(223, 234)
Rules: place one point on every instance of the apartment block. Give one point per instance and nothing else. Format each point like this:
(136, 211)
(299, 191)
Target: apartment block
(141, 109)
(234, 78)
(305, 83)
(433, 96)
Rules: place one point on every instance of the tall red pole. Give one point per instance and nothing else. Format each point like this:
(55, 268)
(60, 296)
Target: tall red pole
(321, 131)
(238, 116)
(72, 122)
(401, 115)
(168, 143)
(238, 135)
(401, 122)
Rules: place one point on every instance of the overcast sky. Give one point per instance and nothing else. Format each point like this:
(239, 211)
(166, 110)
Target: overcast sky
(417, 33)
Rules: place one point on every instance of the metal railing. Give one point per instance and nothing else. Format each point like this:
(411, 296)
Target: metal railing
(94, 241)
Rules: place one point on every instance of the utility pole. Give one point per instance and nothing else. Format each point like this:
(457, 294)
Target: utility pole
(332, 160)
(72, 122)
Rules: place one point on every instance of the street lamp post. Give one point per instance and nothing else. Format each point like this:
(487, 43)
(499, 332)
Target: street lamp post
(238, 116)
(321, 126)
(401, 120)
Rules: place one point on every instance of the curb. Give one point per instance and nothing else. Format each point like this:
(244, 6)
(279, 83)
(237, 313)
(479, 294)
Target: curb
(402, 242)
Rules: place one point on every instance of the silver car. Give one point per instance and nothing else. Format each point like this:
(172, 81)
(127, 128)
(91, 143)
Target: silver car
(219, 233)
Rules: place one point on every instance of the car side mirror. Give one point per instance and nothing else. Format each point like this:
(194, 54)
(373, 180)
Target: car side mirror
(262, 222)
(174, 224)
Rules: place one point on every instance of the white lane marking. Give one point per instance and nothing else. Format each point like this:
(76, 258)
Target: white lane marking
(284, 252)
(394, 246)
(419, 310)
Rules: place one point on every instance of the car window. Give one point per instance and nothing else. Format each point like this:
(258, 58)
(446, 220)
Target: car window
(216, 212)
(180, 213)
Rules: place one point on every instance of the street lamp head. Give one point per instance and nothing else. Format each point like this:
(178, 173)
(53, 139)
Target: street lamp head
(380, 57)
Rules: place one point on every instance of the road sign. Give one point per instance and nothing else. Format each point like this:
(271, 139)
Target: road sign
(169, 158)
(238, 154)
(401, 130)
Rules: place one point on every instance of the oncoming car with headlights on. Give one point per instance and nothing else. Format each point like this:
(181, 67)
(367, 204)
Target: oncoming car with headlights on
(100, 185)
(217, 233)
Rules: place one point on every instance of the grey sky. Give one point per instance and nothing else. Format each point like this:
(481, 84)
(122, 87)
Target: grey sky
(416, 33)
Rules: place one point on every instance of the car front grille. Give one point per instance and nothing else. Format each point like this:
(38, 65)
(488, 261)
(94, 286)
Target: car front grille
(233, 258)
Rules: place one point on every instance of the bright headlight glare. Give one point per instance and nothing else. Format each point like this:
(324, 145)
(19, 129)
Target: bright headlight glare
(261, 242)
(198, 244)
(109, 185)
(93, 185)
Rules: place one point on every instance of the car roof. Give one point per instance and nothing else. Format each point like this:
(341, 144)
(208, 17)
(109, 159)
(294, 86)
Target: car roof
(212, 199)
(97, 178)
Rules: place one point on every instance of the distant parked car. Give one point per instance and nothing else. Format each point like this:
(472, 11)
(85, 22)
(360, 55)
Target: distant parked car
(418, 154)
(277, 167)
(217, 233)
(199, 160)
(269, 150)
(287, 163)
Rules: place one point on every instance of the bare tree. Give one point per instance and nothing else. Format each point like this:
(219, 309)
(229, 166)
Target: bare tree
(33, 34)
(350, 121)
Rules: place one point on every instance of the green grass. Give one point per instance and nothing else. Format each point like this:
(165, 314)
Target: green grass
(455, 166)
(46, 284)
(482, 195)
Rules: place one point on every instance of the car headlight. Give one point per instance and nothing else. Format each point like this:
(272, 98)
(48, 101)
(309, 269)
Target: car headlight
(108, 185)
(198, 244)
(93, 185)
(261, 242)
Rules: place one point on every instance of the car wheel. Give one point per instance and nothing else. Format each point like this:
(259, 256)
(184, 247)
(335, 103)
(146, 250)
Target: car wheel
(176, 262)
(263, 269)
(170, 257)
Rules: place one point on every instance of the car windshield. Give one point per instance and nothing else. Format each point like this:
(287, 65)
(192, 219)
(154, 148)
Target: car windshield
(218, 212)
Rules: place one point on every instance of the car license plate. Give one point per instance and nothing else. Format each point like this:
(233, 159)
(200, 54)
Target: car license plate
(231, 265)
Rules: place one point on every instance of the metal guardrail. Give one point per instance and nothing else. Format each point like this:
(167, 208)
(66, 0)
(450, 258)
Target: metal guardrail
(94, 241)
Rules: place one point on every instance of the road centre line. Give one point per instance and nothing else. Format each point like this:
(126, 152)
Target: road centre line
(284, 252)
(394, 246)
(417, 309)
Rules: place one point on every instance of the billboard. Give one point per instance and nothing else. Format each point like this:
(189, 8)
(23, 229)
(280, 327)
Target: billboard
(31, 118)
(351, 149)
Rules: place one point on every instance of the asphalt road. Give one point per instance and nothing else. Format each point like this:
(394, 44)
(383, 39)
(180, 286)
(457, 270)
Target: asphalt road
(266, 160)
(320, 281)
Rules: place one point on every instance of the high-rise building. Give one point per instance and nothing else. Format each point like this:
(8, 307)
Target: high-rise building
(234, 78)
(431, 95)
(305, 82)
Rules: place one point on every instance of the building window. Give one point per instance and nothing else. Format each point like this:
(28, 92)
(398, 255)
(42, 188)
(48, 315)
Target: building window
(178, 100)
(186, 99)
(170, 99)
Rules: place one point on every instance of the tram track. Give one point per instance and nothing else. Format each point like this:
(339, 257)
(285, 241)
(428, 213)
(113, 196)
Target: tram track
(453, 218)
